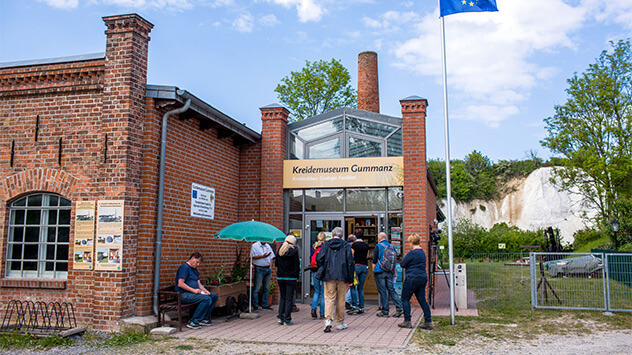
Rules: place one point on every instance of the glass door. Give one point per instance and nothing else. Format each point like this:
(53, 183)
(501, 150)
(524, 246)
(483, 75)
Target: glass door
(314, 225)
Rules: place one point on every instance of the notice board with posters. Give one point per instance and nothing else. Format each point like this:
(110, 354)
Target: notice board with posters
(84, 235)
(109, 243)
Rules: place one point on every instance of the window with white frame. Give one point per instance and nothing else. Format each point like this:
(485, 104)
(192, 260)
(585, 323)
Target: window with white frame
(39, 231)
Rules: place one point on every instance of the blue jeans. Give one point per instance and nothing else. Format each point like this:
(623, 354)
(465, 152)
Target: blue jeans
(384, 283)
(262, 278)
(205, 303)
(415, 286)
(357, 292)
(319, 295)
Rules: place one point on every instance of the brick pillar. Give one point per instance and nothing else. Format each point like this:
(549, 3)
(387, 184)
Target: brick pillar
(274, 120)
(415, 165)
(368, 87)
(123, 112)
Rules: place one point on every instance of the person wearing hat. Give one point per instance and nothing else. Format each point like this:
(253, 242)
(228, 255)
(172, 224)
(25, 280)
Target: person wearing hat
(288, 269)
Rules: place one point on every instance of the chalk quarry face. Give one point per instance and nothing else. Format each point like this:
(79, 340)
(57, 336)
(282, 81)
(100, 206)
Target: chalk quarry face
(535, 203)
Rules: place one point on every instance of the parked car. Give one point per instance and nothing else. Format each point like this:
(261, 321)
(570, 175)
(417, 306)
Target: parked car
(589, 265)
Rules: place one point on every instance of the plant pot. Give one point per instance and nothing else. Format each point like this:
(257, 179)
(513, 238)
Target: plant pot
(226, 290)
(273, 299)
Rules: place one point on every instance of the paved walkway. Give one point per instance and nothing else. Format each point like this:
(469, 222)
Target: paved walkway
(364, 330)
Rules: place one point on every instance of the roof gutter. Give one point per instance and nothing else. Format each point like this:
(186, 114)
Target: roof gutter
(161, 194)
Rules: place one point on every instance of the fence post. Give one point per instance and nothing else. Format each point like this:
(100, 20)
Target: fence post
(532, 269)
(605, 275)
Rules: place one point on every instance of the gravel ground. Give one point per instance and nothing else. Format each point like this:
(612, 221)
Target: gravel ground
(598, 342)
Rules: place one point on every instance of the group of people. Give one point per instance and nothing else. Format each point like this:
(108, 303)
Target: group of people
(339, 270)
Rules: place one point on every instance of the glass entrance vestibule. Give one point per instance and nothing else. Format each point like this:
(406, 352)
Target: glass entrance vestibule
(372, 210)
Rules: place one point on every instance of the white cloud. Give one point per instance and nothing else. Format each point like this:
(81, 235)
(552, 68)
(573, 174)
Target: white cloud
(391, 20)
(490, 70)
(245, 23)
(610, 11)
(269, 20)
(491, 115)
(177, 5)
(61, 4)
(308, 10)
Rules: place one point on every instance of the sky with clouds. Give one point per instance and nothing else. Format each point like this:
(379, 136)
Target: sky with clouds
(506, 70)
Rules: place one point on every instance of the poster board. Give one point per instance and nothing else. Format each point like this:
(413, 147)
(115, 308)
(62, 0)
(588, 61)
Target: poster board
(84, 235)
(109, 243)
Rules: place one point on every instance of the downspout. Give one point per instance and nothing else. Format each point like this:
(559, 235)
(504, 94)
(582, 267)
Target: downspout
(161, 193)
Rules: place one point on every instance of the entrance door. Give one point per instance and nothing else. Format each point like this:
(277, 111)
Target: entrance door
(313, 226)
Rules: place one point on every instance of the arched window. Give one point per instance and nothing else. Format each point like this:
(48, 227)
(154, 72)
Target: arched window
(39, 230)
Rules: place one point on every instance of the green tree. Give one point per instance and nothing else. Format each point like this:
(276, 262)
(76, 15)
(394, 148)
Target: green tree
(481, 175)
(593, 132)
(319, 87)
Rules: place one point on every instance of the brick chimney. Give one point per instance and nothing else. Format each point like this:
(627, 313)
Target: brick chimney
(274, 120)
(368, 88)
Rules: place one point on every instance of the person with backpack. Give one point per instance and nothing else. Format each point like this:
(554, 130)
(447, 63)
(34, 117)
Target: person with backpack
(319, 292)
(415, 282)
(384, 263)
(336, 269)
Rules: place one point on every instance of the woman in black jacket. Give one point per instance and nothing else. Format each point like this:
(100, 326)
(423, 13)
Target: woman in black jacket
(288, 269)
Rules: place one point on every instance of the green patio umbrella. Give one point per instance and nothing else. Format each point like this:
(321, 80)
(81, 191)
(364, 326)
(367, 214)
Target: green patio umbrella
(251, 231)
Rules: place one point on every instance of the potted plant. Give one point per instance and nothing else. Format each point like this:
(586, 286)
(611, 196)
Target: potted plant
(226, 286)
(272, 295)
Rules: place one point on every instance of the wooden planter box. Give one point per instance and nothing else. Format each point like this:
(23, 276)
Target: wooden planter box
(228, 290)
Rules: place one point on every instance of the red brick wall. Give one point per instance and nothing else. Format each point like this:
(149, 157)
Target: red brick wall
(250, 182)
(193, 156)
(68, 99)
(416, 186)
(273, 152)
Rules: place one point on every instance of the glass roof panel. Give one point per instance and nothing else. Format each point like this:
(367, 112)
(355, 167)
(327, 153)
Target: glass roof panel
(319, 130)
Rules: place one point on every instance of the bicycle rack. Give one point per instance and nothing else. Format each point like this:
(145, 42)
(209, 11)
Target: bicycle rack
(38, 317)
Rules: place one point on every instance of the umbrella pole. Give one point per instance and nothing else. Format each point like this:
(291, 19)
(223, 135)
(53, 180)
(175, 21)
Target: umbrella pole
(250, 293)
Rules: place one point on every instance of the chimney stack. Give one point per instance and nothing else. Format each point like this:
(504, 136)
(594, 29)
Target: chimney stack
(368, 88)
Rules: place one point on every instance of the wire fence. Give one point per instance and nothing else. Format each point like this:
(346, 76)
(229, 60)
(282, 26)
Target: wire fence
(592, 281)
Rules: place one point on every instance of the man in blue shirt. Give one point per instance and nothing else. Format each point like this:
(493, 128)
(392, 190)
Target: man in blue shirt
(192, 291)
(384, 280)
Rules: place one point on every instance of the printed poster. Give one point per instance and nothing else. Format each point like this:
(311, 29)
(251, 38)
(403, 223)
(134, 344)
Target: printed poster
(109, 243)
(84, 236)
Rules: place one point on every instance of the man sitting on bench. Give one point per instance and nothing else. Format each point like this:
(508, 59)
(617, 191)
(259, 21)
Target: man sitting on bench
(192, 291)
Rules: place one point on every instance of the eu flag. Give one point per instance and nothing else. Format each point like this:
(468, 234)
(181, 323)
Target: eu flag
(449, 7)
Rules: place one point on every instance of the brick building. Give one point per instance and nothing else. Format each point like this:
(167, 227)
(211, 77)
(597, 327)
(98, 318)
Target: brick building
(89, 130)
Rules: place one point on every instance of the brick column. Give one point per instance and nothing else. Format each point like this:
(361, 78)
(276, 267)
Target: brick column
(415, 165)
(120, 179)
(274, 120)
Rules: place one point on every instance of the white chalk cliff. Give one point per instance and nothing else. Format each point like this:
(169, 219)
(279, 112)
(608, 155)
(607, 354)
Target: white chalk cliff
(535, 203)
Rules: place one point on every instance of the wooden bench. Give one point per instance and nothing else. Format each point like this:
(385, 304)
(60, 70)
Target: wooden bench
(170, 301)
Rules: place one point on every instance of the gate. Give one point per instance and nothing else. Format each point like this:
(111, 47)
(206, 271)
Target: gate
(587, 281)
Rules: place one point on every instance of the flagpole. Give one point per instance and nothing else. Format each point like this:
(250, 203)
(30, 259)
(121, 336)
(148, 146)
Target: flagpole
(447, 170)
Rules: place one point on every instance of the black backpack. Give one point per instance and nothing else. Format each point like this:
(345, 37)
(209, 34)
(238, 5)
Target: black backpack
(389, 259)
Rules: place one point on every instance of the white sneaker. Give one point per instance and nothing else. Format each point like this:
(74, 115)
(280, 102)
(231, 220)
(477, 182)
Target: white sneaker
(327, 326)
(342, 326)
